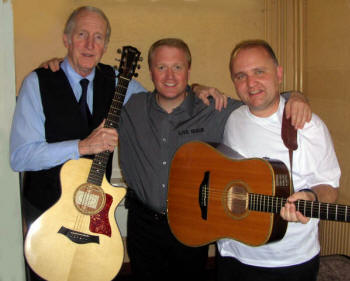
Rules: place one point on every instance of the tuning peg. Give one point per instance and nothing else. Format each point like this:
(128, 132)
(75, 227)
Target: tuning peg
(119, 51)
(136, 74)
(138, 66)
(141, 59)
(117, 59)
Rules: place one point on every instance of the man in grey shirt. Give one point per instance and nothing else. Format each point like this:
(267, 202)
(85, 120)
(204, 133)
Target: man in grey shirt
(152, 126)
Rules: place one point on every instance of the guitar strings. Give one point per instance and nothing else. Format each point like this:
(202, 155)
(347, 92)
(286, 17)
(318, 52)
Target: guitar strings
(98, 165)
(269, 203)
(78, 226)
(95, 175)
(116, 103)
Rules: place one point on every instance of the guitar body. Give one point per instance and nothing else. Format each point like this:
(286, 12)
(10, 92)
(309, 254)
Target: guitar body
(222, 212)
(70, 241)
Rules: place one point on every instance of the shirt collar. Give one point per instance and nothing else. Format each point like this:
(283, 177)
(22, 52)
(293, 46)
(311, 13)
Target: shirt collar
(73, 77)
(186, 106)
(275, 117)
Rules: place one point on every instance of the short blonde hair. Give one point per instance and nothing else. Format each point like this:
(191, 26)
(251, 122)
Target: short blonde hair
(170, 42)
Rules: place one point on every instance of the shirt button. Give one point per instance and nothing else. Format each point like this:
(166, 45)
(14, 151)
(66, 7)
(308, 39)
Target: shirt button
(163, 185)
(164, 162)
(164, 139)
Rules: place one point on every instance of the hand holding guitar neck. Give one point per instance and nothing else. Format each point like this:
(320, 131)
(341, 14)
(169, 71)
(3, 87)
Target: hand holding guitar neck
(101, 139)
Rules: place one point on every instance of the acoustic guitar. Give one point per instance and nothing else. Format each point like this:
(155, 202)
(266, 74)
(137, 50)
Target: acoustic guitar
(215, 193)
(78, 238)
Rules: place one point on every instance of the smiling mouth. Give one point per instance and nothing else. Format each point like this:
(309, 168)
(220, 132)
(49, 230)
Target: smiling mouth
(170, 84)
(88, 55)
(256, 92)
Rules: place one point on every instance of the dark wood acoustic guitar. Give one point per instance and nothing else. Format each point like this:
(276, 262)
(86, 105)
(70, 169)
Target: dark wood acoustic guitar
(215, 193)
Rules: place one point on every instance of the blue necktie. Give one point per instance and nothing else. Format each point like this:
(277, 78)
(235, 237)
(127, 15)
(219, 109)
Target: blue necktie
(84, 108)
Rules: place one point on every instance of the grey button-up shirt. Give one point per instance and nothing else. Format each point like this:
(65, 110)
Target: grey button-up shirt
(149, 137)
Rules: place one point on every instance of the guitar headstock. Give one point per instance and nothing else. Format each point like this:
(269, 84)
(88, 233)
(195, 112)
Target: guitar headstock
(128, 61)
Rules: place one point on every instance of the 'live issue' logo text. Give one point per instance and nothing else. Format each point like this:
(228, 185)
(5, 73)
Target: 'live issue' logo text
(191, 131)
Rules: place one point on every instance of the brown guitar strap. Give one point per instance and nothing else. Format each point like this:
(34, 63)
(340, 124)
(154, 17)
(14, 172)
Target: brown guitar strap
(289, 137)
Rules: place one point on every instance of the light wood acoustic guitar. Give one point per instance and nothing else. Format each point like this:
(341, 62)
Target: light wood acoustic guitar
(77, 238)
(215, 193)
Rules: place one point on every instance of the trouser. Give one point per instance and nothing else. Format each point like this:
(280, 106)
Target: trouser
(230, 269)
(154, 252)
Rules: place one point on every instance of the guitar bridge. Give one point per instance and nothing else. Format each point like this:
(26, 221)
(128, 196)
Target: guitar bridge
(79, 237)
(204, 195)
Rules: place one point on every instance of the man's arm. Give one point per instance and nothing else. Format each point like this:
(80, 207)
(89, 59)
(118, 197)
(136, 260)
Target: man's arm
(29, 150)
(317, 172)
(204, 92)
(297, 107)
(101, 139)
(322, 193)
(201, 91)
(52, 64)
(134, 88)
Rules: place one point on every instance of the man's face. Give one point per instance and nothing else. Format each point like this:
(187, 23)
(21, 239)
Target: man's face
(86, 43)
(170, 73)
(256, 78)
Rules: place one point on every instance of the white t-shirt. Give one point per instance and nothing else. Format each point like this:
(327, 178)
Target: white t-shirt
(314, 162)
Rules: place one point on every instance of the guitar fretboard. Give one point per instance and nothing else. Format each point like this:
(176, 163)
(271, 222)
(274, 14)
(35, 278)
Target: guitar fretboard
(100, 161)
(311, 209)
(117, 103)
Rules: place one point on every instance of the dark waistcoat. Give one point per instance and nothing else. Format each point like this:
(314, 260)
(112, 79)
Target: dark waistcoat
(64, 122)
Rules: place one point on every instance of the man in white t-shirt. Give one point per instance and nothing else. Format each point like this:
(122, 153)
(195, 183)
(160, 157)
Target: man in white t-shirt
(254, 130)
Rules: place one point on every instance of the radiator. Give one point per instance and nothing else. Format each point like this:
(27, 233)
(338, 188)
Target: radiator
(334, 238)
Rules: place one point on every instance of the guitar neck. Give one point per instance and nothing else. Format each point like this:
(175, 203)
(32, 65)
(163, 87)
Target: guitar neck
(117, 103)
(128, 64)
(100, 161)
(311, 209)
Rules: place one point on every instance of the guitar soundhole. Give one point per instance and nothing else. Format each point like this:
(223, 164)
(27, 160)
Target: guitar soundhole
(89, 199)
(237, 199)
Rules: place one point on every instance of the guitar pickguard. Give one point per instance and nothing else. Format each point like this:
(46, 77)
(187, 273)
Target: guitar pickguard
(99, 223)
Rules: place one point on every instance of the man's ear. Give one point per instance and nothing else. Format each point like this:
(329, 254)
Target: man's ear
(105, 48)
(150, 73)
(65, 40)
(280, 73)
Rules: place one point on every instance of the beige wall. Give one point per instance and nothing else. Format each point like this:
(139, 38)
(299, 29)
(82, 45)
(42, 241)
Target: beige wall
(211, 28)
(327, 72)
